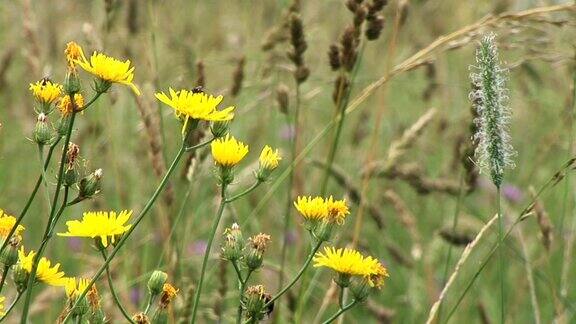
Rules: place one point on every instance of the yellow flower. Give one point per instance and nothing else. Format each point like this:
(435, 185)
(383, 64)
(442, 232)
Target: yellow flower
(314, 209)
(7, 222)
(73, 53)
(337, 210)
(195, 105)
(108, 69)
(269, 159)
(377, 278)
(2, 312)
(46, 91)
(168, 294)
(99, 224)
(75, 288)
(227, 151)
(65, 105)
(347, 261)
(44, 272)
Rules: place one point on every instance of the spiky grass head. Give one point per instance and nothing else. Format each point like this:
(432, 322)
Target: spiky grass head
(494, 152)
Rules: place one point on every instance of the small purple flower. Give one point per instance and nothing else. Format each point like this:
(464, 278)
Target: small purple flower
(512, 193)
(287, 132)
(197, 247)
(75, 244)
(135, 296)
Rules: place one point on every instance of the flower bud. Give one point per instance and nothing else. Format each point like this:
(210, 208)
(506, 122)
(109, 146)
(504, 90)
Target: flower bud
(233, 243)
(342, 280)
(168, 294)
(70, 173)
(268, 161)
(9, 255)
(62, 125)
(226, 175)
(360, 289)
(255, 254)
(323, 232)
(80, 309)
(141, 318)
(219, 128)
(43, 132)
(96, 314)
(20, 277)
(90, 185)
(255, 298)
(156, 282)
(102, 86)
(72, 83)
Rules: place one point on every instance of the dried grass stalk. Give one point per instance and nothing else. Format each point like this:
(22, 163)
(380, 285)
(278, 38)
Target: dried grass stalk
(465, 254)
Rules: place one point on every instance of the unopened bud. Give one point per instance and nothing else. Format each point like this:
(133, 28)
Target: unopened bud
(43, 132)
(9, 255)
(156, 282)
(233, 243)
(255, 254)
(219, 128)
(90, 185)
(72, 83)
(255, 298)
(141, 318)
(20, 277)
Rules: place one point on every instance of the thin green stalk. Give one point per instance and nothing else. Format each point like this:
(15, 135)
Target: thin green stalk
(207, 251)
(454, 224)
(38, 256)
(149, 303)
(241, 294)
(143, 213)
(113, 291)
(43, 173)
(244, 193)
(341, 298)
(500, 252)
(340, 312)
(32, 196)
(341, 104)
(3, 280)
(289, 199)
(78, 319)
(567, 255)
(298, 275)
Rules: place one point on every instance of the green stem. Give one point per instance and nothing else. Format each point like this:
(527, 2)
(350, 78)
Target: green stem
(341, 103)
(78, 319)
(143, 213)
(454, 224)
(199, 145)
(500, 252)
(295, 279)
(43, 174)
(89, 103)
(244, 193)
(341, 298)
(31, 198)
(289, 199)
(240, 295)
(38, 256)
(149, 303)
(3, 280)
(340, 312)
(207, 252)
(113, 291)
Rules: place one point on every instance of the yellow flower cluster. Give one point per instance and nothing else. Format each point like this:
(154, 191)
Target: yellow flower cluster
(45, 272)
(65, 105)
(227, 151)
(99, 224)
(321, 209)
(352, 263)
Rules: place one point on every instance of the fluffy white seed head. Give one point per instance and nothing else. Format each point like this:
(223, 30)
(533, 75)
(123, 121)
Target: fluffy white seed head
(494, 152)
